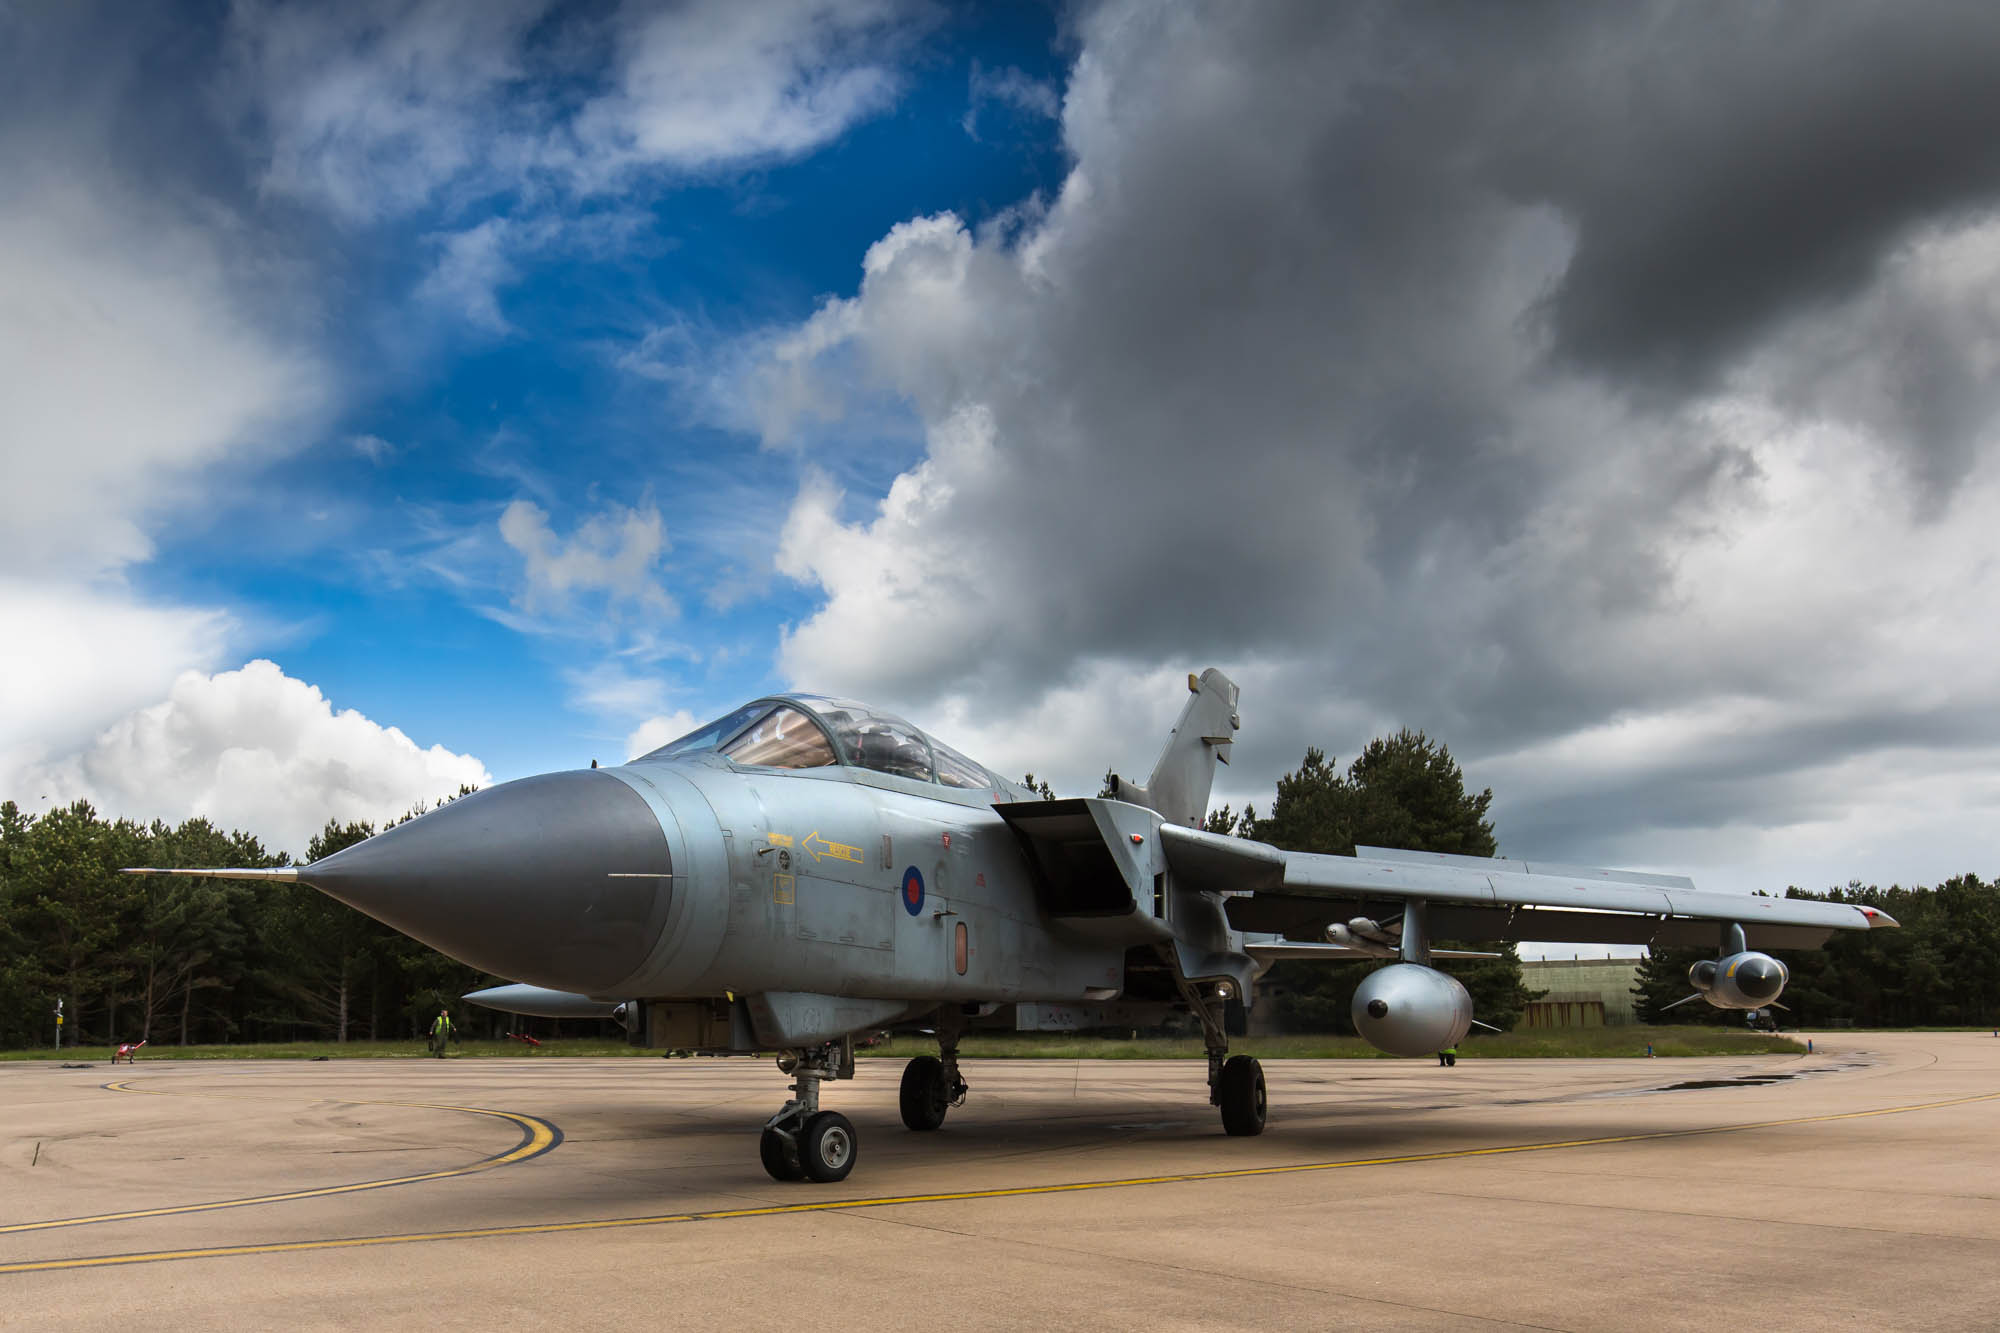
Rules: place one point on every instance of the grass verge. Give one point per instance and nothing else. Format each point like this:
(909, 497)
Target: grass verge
(334, 1050)
(1541, 1044)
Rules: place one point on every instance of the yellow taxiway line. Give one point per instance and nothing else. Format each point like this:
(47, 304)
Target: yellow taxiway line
(537, 1137)
(890, 1201)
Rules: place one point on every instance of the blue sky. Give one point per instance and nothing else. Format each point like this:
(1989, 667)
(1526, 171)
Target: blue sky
(341, 548)
(396, 395)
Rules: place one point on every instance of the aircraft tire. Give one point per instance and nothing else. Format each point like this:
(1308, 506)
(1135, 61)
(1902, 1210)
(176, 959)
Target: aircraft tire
(781, 1159)
(1242, 1096)
(827, 1147)
(923, 1100)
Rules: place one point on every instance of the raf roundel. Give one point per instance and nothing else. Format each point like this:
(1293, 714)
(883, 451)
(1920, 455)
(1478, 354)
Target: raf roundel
(913, 890)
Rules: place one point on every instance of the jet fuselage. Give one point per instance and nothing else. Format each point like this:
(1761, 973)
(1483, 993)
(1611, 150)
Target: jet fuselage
(846, 882)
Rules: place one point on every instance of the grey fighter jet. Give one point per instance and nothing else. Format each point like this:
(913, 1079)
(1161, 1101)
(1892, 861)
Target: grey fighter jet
(807, 868)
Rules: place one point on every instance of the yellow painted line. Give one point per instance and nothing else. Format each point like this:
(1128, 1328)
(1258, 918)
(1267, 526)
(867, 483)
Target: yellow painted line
(959, 1196)
(537, 1137)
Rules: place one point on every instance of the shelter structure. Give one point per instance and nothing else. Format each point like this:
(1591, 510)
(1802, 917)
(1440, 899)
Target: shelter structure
(1581, 992)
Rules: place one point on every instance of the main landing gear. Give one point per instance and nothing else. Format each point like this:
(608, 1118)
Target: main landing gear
(803, 1142)
(931, 1085)
(1235, 1082)
(1238, 1088)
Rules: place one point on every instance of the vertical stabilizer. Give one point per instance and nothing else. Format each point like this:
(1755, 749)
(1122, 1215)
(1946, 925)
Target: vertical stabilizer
(1181, 781)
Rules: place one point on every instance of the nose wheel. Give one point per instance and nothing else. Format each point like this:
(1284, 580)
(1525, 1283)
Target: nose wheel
(803, 1142)
(780, 1152)
(827, 1147)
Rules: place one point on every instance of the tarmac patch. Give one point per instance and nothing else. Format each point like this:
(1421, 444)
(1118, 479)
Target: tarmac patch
(1756, 1080)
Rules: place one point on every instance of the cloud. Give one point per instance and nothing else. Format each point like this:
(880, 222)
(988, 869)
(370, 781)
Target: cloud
(609, 689)
(133, 357)
(379, 110)
(258, 750)
(472, 266)
(1377, 352)
(77, 657)
(1742, 171)
(154, 340)
(713, 83)
(613, 553)
(1009, 87)
(658, 730)
(376, 109)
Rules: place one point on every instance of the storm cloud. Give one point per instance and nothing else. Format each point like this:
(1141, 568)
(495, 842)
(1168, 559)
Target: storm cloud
(1533, 375)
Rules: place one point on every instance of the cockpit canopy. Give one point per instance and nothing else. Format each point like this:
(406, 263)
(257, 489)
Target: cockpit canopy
(813, 731)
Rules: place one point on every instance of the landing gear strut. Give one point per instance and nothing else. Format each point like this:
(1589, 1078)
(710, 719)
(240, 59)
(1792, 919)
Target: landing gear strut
(802, 1141)
(931, 1084)
(1235, 1082)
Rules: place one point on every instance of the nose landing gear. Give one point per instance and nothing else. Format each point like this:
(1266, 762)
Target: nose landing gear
(802, 1142)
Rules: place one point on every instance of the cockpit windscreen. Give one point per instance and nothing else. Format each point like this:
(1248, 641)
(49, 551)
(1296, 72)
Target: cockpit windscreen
(782, 738)
(779, 733)
(716, 732)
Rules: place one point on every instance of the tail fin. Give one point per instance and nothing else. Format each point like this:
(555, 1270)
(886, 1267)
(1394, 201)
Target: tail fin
(1181, 781)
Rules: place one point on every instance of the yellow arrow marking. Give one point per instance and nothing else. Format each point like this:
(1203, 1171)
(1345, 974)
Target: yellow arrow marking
(839, 851)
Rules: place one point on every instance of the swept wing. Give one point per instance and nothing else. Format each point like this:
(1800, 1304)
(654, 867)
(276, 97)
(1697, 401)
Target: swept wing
(1299, 893)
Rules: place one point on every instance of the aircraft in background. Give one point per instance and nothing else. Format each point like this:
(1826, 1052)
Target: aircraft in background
(807, 868)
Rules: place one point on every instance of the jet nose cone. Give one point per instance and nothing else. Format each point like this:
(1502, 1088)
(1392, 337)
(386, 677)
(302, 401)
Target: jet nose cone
(532, 880)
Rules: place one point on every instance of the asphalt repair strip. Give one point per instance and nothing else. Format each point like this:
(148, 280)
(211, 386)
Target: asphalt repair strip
(840, 1205)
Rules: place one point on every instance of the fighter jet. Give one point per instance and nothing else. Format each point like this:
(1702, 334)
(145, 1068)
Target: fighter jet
(807, 868)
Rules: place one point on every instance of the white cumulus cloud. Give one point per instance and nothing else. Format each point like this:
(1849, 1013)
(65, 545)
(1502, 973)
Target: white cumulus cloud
(658, 730)
(76, 657)
(253, 749)
(130, 360)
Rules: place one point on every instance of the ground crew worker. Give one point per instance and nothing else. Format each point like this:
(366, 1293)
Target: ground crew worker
(1448, 1056)
(440, 1033)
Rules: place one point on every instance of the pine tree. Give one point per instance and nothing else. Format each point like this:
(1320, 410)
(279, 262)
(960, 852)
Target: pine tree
(1403, 791)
